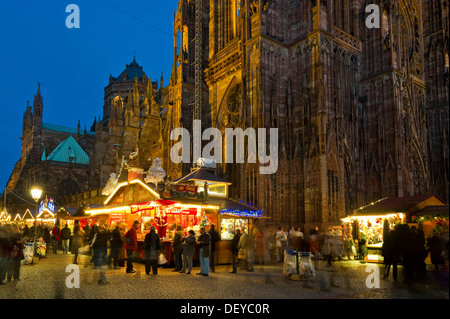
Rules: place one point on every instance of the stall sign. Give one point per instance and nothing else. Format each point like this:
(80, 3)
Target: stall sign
(116, 217)
(41, 207)
(51, 205)
(182, 190)
(137, 208)
(187, 188)
(192, 211)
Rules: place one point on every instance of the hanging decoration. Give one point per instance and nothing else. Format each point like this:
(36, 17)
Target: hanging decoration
(155, 173)
(111, 184)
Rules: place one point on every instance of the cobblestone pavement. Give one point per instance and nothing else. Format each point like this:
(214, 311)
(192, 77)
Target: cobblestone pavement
(47, 280)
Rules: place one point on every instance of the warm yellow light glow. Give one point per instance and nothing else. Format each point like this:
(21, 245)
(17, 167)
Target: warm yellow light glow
(187, 206)
(36, 193)
(46, 210)
(371, 217)
(108, 210)
(29, 214)
(374, 257)
(131, 182)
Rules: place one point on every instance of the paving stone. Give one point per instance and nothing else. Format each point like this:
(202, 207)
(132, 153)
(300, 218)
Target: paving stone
(47, 280)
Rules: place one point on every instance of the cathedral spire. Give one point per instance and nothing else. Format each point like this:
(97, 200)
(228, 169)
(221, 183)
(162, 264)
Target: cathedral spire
(37, 107)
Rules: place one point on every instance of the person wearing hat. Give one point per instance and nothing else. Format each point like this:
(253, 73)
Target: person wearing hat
(130, 239)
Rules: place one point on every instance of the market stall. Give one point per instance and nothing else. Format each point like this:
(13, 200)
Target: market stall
(371, 229)
(202, 187)
(196, 200)
(373, 221)
(28, 217)
(5, 217)
(18, 219)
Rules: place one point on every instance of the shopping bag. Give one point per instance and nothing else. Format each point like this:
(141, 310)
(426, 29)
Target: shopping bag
(85, 250)
(162, 259)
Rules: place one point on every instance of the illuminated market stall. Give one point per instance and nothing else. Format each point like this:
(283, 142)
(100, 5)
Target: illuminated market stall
(18, 219)
(5, 217)
(28, 218)
(202, 187)
(46, 212)
(372, 222)
(196, 200)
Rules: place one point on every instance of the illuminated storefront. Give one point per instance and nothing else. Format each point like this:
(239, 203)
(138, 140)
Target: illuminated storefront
(376, 219)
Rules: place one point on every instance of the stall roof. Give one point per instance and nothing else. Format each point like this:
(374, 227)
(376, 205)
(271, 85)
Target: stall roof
(202, 175)
(434, 210)
(399, 205)
(130, 192)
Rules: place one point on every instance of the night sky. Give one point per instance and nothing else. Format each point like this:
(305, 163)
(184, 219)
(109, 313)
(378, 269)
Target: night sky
(73, 65)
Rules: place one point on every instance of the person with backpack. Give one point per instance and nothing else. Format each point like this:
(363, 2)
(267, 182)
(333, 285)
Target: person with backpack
(130, 239)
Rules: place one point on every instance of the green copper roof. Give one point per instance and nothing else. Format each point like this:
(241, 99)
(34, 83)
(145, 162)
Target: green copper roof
(69, 151)
(60, 128)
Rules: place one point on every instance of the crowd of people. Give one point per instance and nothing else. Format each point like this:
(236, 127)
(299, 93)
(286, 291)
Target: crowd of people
(115, 246)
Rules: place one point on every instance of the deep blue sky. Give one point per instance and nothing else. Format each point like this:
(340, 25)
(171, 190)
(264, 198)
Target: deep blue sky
(73, 65)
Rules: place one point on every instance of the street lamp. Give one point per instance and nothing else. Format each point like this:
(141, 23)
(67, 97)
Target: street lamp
(36, 193)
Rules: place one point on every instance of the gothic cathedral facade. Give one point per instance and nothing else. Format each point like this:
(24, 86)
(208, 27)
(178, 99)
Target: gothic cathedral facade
(361, 113)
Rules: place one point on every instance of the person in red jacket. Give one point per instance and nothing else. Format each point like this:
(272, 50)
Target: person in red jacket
(55, 237)
(130, 239)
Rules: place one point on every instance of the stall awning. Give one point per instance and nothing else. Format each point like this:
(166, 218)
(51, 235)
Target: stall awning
(228, 207)
(150, 205)
(398, 205)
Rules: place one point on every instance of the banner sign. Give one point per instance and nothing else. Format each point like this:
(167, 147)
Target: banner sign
(182, 190)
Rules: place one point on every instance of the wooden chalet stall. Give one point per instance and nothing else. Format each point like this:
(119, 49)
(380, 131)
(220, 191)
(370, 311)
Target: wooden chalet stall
(209, 193)
(5, 217)
(373, 220)
(130, 201)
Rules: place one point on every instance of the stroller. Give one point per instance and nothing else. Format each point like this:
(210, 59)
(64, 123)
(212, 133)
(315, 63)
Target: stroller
(298, 265)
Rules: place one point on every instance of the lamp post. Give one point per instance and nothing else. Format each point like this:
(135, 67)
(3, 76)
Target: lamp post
(36, 193)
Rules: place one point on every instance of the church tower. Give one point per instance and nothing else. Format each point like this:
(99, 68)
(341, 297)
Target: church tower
(181, 99)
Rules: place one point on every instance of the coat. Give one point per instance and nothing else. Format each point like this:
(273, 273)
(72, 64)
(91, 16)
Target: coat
(132, 235)
(65, 233)
(260, 245)
(327, 249)
(177, 240)
(77, 240)
(189, 245)
(214, 238)
(56, 233)
(205, 244)
(235, 244)
(245, 246)
(281, 239)
(152, 246)
(116, 239)
(435, 247)
(46, 235)
(313, 244)
(102, 239)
